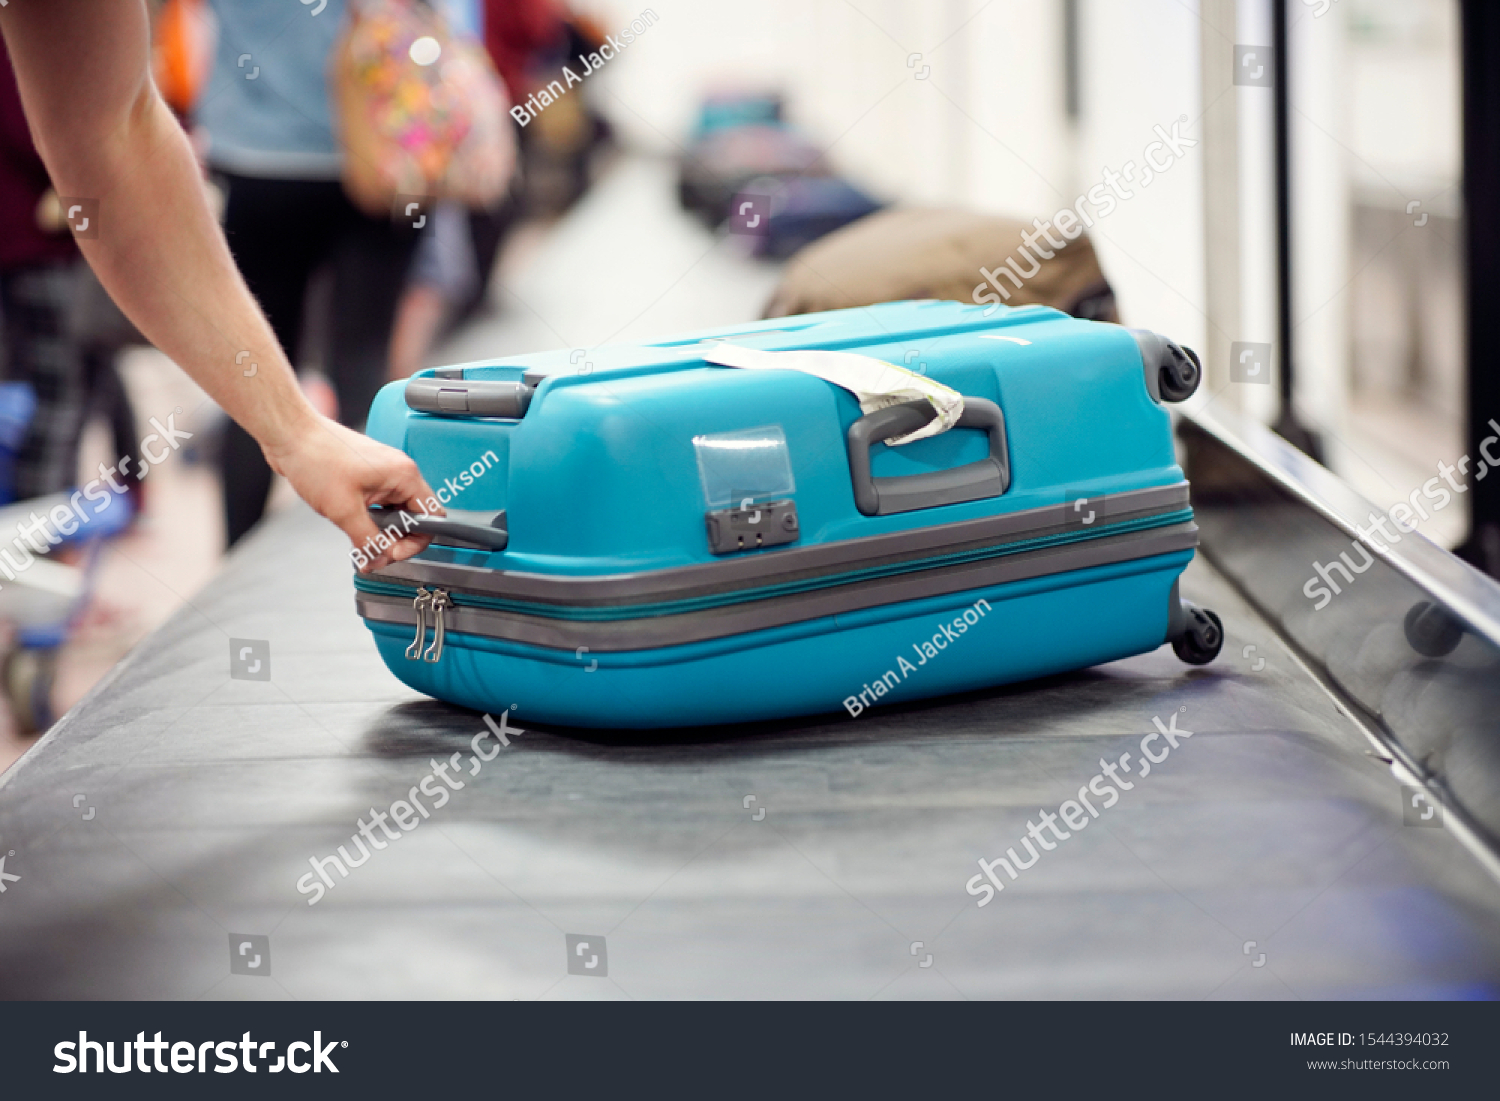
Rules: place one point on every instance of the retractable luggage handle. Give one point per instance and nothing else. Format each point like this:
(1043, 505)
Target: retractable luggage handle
(873, 496)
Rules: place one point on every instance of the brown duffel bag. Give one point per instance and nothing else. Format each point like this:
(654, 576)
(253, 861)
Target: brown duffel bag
(910, 253)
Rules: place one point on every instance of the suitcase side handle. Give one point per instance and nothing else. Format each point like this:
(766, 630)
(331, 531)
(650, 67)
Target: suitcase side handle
(484, 530)
(972, 482)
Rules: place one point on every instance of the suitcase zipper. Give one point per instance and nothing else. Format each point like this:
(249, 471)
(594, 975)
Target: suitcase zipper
(437, 600)
(490, 603)
(419, 605)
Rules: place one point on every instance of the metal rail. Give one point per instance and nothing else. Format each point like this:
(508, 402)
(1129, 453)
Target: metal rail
(1353, 591)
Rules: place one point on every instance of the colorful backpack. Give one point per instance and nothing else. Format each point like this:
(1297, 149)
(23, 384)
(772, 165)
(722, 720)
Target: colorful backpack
(421, 110)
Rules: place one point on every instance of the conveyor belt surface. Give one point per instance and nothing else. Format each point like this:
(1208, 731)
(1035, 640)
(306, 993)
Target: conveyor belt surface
(1266, 857)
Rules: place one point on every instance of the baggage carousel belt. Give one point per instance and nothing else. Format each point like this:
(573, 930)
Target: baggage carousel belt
(157, 837)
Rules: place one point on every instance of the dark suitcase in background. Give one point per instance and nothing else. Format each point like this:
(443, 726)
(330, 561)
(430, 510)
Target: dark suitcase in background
(797, 211)
(715, 168)
(639, 539)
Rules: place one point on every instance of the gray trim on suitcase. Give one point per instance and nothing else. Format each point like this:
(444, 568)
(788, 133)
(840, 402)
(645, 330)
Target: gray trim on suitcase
(654, 632)
(779, 565)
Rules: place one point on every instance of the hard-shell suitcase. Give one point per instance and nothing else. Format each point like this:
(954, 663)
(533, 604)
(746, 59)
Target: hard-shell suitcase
(636, 538)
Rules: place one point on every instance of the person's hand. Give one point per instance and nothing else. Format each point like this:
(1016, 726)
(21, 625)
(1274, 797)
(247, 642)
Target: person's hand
(340, 473)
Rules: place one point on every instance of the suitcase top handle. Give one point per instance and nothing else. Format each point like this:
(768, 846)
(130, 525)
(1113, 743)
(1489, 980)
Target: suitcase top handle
(883, 496)
(931, 408)
(461, 397)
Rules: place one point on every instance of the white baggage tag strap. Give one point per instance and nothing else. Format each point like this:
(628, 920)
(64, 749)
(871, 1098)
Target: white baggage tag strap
(874, 382)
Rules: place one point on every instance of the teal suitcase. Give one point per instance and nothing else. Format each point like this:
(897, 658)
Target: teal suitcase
(637, 538)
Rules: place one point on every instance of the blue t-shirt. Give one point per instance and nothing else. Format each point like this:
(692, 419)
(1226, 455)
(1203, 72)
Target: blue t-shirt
(266, 106)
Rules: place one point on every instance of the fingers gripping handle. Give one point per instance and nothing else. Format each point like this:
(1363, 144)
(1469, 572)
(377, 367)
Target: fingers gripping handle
(466, 528)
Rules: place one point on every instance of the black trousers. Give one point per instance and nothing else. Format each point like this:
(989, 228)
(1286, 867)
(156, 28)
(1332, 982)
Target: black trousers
(71, 372)
(281, 232)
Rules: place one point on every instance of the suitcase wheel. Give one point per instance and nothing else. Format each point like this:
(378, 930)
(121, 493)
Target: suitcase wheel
(1181, 371)
(1202, 638)
(1431, 631)
(26, 677)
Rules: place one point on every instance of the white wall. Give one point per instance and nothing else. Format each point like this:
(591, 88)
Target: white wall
(1020, 154)
(1406, 110)
(987, 128)
(1140, 70)
(1257, 212)
(1319, 120)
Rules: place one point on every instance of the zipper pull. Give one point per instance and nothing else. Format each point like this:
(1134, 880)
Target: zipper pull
(419, 605)
(439, 602)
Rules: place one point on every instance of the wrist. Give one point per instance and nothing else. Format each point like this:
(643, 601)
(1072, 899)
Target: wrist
(294, 421)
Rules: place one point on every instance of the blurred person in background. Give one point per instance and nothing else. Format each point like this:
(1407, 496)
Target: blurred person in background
(558, 145)
(59, 338)
(37, 281)
(268, 121)
(451, 273)
(445, 272)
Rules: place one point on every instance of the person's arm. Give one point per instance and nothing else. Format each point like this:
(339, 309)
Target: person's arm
(106, 136)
